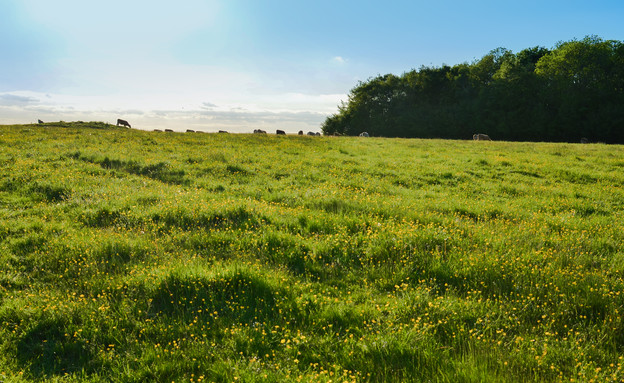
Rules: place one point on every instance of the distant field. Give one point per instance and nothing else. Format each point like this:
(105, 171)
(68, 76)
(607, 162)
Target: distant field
(134, 256)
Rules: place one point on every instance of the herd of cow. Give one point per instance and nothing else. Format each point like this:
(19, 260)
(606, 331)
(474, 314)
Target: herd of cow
(120, 122)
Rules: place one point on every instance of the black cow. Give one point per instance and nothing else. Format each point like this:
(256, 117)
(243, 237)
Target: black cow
(281, 132)
(481, 137)
(123, 123)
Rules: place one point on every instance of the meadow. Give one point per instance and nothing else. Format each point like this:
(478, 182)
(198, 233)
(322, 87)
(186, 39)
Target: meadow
(134, 256)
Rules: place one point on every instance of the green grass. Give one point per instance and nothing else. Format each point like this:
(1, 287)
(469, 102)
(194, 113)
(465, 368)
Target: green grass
(134, 256)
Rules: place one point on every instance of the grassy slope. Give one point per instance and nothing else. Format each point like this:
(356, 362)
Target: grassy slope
(132, 256)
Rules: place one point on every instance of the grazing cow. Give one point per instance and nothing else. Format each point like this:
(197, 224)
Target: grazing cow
(190, 131)
(318, 134)
(481, 137)
(123, 123)
(300, 133)
(222, 131)
(311, 134)
(157, 130)
(259, 131)
(169, 130)
(280, 132)
(364, 134)
(41, 122)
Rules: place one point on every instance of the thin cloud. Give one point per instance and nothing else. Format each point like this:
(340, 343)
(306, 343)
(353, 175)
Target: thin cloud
(339, 60)
(9, 99)
(208, 106)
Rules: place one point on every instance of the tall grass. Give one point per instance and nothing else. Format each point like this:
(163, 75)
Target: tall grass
(143, 256)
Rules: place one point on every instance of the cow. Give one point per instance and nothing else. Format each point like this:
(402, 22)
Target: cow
(364, 134)
(280, 132)
(169, 130)
(39, 121)
(259, 131)
(190, 131)
(318, 134)
(481, 137)
(300, 133)
(222, 131)
(123, 123)
(311, 134)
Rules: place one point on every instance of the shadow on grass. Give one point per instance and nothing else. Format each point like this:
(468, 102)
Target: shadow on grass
(161, 171)
(236, 297)
(47, 350)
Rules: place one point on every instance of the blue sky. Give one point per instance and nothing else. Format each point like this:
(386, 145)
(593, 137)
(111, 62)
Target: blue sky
(240, 65)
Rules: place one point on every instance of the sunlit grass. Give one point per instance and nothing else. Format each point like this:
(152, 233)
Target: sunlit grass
(144, 256)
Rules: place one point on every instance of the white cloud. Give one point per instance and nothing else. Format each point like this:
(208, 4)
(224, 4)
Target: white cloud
(339, 60)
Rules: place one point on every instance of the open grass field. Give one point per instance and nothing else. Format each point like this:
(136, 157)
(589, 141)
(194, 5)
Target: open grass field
(134, 256)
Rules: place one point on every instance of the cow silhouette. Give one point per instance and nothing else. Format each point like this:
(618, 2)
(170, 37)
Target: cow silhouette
(280, 132)
(123, 123)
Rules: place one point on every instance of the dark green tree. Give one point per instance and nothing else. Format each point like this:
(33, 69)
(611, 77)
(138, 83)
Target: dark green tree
(574, 90)
(583, 89)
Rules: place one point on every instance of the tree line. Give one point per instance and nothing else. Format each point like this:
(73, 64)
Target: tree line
(571, 92)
